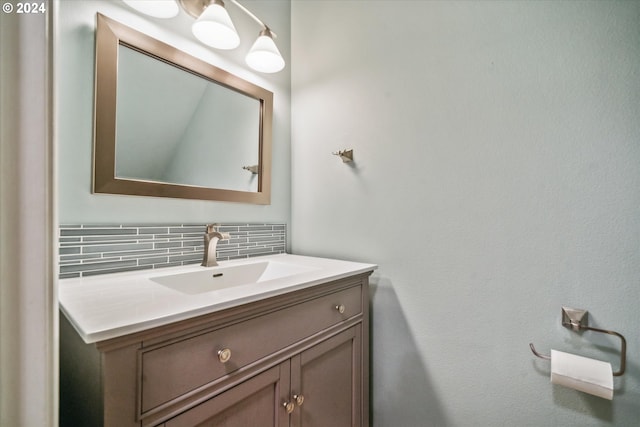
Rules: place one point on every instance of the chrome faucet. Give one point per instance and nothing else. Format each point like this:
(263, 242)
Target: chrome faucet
(211, 238)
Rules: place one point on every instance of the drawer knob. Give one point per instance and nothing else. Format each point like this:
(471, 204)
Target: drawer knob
(340, 308)
(299, 399)
(289, 407)
(224, 355)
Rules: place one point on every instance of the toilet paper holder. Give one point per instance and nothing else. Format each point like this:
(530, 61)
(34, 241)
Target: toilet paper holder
(576, 320)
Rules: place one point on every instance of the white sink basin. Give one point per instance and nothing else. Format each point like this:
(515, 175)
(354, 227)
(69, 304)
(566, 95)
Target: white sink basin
(216, 278)
(108, 306)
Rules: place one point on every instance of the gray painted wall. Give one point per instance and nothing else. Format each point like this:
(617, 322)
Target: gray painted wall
(497, 177)
(74, 108)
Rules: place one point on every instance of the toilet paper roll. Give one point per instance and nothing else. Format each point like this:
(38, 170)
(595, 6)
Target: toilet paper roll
(583, 374)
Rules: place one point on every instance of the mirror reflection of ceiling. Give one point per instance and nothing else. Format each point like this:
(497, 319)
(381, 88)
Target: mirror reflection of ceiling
(176, 127)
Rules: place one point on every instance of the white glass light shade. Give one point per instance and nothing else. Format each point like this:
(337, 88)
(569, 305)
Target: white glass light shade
(214, 28)
(264, 55)
(155, 8)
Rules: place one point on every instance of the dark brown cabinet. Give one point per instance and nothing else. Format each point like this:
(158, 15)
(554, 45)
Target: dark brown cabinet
(299, 359)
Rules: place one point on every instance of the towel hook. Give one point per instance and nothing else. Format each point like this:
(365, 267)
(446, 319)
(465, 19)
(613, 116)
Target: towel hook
(345, 155)
(578, 319)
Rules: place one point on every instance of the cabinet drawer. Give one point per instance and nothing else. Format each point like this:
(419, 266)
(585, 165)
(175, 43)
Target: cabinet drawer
(174, 370)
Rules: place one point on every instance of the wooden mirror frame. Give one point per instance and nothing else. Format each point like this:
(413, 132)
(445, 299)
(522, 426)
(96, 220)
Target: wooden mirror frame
(109, 36)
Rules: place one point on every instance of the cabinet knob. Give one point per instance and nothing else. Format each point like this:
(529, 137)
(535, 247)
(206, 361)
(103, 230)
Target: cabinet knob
(289, 407)
(340, 308)
(299, 399)
(224, 355)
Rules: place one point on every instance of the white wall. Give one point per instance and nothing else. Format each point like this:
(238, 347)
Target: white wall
(497, 178)
(28, 300)
(75, 62)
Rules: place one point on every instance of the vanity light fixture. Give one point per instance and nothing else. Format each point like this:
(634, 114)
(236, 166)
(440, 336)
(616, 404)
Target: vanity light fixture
(264, 55)
(213, 27)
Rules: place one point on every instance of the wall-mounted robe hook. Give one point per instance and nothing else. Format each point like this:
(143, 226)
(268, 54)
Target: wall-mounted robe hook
(577, 320)
(345, 155)
(253, 169)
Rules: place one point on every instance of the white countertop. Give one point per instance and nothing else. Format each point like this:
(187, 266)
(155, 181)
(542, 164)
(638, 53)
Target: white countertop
(112, 305)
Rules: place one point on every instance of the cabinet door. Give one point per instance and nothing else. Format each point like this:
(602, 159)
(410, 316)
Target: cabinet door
(257, 402)
(329, 377)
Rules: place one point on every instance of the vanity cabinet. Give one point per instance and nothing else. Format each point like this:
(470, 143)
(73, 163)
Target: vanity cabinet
(314, 388)
(253, 402)
(297, 359)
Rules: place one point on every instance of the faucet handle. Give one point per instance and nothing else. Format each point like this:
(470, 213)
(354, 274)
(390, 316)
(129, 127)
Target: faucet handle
(212, 228)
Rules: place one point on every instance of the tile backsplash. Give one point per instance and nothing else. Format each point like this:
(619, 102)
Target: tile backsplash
(87, 250)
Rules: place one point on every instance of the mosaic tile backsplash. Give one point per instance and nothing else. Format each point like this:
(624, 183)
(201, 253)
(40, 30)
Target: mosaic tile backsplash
(87, 250)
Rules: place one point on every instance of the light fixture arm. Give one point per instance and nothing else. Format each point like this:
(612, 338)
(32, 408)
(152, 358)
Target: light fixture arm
(194, 8)
(254, 17)
(214, 28)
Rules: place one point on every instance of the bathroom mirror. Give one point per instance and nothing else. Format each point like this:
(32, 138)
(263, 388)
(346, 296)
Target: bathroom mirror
(170, 125)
